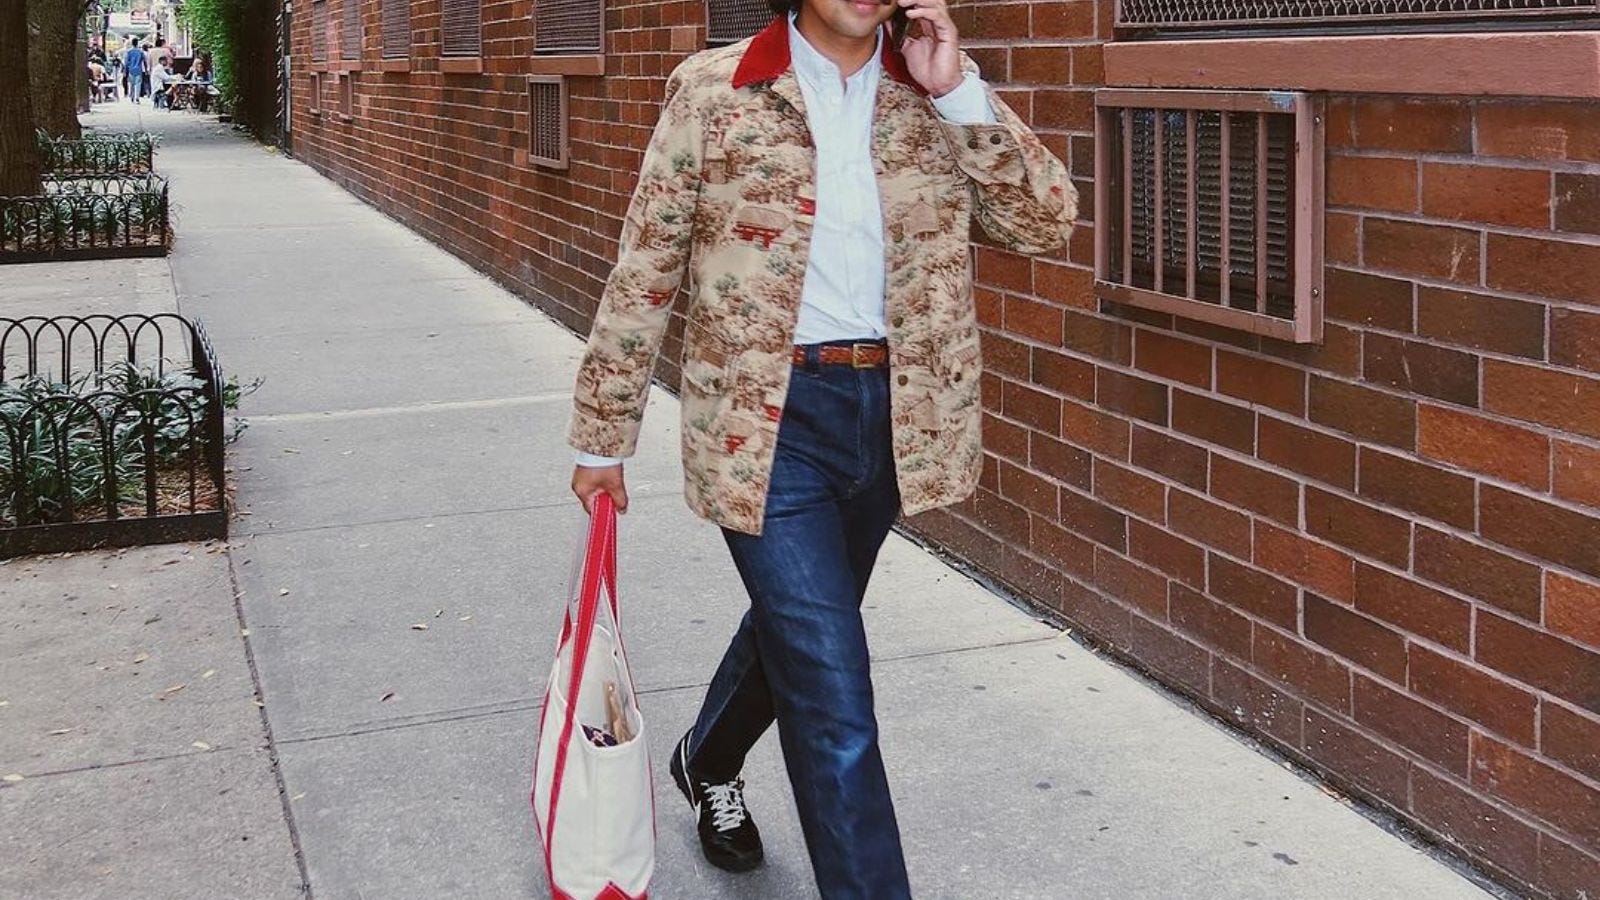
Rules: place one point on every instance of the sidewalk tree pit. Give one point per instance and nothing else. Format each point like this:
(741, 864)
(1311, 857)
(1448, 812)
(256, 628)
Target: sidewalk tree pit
(101, 201)
(111, 433)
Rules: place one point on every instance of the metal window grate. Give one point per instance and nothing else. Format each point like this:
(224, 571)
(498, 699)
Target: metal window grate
(547, 120)
(568, 26)
(463, 28)
(319, 30)
(730, 21)
(1210, 207)
(1142, 15)
(350, 30)
(396, 29)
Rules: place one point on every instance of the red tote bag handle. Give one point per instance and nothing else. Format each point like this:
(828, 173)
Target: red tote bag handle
(599, 571)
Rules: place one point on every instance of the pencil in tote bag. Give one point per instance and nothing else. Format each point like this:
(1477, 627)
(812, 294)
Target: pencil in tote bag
(591, 776)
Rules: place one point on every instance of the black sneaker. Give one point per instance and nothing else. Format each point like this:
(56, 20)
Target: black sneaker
(730, 840)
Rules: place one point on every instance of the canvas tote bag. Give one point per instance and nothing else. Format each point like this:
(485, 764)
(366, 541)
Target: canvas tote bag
(592, 799)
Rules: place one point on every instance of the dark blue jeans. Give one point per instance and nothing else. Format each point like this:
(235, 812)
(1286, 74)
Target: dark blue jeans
(800, 654)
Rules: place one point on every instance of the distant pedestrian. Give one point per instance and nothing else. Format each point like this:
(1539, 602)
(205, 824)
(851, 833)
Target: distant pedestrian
(133, 65)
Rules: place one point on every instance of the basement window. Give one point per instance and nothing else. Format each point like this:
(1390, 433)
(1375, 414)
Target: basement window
(351, 32)
(1158, 18)
(547, 121)
(731, 21)
(1210, 207)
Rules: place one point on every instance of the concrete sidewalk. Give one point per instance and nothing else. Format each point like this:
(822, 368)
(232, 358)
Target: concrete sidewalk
(405, 466)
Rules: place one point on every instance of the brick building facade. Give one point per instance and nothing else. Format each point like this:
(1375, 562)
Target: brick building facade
(1378, 552)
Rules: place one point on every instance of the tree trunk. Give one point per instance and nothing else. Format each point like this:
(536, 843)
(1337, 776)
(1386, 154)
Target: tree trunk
(19, 147)
(52, 55)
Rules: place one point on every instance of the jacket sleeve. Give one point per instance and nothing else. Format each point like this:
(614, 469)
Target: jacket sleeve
(1024, 196)
(614, 376)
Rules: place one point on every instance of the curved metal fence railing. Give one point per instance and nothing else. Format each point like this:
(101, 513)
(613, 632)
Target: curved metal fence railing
(111, 433)
(94, 217)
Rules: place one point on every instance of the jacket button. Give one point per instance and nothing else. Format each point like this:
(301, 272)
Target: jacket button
(994, 139)
(898, 321)
(957, 377)
(972, 144)
(904, 380)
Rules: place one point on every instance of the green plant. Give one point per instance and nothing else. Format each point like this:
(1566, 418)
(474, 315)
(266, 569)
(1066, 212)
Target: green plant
(62, 445)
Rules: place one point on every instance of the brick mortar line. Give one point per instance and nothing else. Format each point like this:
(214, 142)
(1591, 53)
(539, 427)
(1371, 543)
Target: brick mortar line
(1467, 159)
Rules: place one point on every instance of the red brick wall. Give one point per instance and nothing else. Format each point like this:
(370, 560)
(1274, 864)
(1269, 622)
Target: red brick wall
(1380, 554)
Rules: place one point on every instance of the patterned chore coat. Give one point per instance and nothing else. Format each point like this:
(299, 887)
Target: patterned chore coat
(727, 194)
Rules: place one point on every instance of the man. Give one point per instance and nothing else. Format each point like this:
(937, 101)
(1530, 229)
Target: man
(160, 77)
(133, 69)
(820, 183)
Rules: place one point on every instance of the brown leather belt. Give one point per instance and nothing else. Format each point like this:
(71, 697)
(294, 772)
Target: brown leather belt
(856, 356)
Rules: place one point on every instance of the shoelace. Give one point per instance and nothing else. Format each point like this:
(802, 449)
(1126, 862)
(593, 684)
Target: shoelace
(727, 804)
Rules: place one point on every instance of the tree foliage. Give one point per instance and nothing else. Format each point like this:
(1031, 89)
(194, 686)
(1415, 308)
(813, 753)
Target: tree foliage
(219, 27)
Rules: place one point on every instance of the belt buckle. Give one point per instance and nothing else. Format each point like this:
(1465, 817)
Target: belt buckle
(855, 355)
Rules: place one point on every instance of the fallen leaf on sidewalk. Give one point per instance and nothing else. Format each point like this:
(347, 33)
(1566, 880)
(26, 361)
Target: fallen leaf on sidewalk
(438, 614)
(61, 731)
(283, 592)
(290, 450)
(464, 619)
(12, 778)
(141, 658)
(386, 697)
(174, 689)
(200, 745)
(420, 626)
(208, 673)
(296, 797)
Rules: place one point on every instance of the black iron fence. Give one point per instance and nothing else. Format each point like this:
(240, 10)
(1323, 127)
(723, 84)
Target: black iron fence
(114, 154)
(111, 433)
(95, 217)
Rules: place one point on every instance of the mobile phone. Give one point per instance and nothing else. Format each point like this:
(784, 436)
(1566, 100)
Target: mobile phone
(898, 27)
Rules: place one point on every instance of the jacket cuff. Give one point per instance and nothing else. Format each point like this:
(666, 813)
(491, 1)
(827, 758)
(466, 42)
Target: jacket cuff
(989, 153)
(603, 437)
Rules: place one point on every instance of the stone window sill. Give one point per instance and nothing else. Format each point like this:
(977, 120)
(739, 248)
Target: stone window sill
(461, 65)
(1502, 64)
(570, 64)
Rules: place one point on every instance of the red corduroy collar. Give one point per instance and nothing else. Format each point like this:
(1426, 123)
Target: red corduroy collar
(767, 57)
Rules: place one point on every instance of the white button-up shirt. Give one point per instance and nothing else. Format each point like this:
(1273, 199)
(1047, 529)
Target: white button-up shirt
(844, 287)
(842, 299)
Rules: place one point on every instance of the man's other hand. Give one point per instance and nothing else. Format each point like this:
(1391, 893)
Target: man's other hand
(587, 481)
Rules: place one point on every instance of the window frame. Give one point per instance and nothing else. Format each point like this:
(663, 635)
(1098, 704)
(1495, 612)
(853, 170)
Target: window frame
(460, 63)
(568, 62)
(1306, 216)
(563, 161)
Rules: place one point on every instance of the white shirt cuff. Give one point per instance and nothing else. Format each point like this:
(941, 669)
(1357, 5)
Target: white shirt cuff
(967, 104)
(593, 461)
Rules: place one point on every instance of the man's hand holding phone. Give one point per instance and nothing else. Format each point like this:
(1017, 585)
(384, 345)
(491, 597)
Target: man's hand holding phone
(933, 49)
